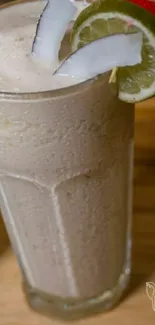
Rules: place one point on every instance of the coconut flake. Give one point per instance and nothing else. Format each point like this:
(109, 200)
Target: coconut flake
(51, 29)
(103, 55)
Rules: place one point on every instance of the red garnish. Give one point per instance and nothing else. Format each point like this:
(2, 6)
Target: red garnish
(146, 4)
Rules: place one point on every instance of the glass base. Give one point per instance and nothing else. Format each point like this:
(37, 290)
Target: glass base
(72, 309)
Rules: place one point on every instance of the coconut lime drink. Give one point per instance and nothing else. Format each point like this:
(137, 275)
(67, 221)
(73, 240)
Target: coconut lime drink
(66, 155)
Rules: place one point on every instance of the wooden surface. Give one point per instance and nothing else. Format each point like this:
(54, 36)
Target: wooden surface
(136, 308)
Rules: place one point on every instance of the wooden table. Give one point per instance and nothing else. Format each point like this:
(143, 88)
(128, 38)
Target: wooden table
(136, 307)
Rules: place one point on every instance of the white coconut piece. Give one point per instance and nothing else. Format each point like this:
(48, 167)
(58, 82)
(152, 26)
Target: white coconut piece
(103, 55)
(51, 29)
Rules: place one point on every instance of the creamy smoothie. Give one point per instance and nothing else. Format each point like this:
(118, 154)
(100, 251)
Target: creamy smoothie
(21, 71)
(65, 175)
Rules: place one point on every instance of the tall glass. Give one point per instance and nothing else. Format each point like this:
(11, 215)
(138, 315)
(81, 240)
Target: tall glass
(66, 161)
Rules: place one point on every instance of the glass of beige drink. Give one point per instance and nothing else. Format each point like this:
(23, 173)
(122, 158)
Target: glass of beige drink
(66, 160)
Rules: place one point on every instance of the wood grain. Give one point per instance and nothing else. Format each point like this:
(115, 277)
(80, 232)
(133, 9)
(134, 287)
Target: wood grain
(136, 306)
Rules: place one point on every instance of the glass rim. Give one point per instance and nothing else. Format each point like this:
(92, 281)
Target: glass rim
(56, 93)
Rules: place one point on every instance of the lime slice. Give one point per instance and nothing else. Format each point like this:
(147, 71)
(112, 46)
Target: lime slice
(108, 17)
